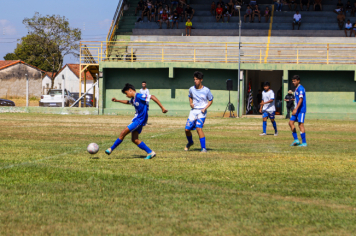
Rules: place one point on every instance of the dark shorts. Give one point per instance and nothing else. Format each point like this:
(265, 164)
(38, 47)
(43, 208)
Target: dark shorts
(297, 22)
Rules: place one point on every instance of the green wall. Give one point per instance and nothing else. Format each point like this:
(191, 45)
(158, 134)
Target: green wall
(328, 91)
(172, 92)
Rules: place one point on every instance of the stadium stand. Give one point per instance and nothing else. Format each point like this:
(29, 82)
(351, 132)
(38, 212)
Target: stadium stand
(314, 23)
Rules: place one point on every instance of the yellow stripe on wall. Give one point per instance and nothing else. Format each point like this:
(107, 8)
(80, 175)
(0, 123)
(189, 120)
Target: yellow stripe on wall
(269, 34)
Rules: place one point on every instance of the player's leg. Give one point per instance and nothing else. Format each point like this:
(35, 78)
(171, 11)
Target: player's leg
(264, 123)
(301, 118)
(123, 134)
(294, 131)
(202, 139)
(140, 144)
(272, 116)
(190, 125)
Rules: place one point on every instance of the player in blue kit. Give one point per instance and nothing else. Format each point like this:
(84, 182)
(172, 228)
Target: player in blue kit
(140, 102)
(299, 112)
(200, 99)
(268, 109)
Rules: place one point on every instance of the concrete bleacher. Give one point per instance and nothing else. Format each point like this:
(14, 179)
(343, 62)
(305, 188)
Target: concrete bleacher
(318, 24)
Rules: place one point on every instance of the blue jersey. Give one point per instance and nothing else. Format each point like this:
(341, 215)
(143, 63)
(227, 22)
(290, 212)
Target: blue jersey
(140, 102)
(200, 97)
(300, 93)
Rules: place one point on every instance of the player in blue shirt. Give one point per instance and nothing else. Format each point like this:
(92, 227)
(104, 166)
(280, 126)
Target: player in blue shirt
(299, 112)
(200, 99)
(140, 102)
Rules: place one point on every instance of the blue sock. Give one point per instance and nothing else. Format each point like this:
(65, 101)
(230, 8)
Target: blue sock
(264, 126)
(190, 139)
(144, 147)
(202, 143)
(274, 126)
(117, 143)
(303, 137)
(295, 136)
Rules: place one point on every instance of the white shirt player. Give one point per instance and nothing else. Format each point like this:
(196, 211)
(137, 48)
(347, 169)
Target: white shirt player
(145, 91)
(200, 97)
(266, 96)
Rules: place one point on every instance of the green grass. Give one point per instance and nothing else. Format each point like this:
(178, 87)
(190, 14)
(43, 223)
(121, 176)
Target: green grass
(244, 185)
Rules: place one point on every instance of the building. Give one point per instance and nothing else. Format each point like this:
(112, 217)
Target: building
(13, 79)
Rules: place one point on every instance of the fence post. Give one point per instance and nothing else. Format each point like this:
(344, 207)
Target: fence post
(327, 54)
(194, 54)
(131, 54)
(297, 57)
(63, 97)
(226, 53)
(27, 91)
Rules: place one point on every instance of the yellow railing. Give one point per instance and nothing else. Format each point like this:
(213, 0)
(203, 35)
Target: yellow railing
(93, 53)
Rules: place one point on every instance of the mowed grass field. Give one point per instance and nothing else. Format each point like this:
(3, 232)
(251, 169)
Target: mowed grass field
(244, 185)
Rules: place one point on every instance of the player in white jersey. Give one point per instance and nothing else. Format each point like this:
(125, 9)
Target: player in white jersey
(144, 89)
(200, 99)
(268, 109)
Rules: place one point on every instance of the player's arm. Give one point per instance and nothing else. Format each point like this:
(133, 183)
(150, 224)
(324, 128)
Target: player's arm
(207, 106)
(191, 102)
(263, 103)
(153, 97)
(121, 101)
(297, 107)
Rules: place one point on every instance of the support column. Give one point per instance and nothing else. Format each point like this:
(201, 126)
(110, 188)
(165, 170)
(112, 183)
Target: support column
(80, 84)
(242, 94)
(94, 100)
(102, 93)
(85, 87)
(284, 90)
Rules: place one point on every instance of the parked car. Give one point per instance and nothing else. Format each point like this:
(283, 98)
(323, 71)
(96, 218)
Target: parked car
(54, 98)
(89, 98)
(6, 103)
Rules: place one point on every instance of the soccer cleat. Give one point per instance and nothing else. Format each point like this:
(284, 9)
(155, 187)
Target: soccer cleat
(151, 155)
(295, 143)
(276, 134)
(263, 134)
(203, 150)
(188, 146)
(108, 151)
(303, 145)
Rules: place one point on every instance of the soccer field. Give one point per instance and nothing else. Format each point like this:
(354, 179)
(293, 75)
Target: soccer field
(244, 185)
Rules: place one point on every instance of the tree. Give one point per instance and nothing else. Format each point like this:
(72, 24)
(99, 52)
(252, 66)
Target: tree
(31, 51)
(56, 39)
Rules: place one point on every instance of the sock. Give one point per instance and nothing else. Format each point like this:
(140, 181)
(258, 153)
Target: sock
(190, 139)
(295, 136)
(274, 126)
(303, 137)
(264, 126)
(202, 143)
(144, 147)
(117, 143)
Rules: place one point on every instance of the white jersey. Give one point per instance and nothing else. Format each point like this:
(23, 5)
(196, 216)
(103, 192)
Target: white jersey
(266, 96)
(145, 91)
(200, 97)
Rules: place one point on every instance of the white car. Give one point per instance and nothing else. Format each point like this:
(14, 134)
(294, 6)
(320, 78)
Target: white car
(54, 98)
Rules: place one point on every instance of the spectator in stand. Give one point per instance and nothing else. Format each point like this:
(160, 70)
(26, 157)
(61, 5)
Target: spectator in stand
(226, 13)
(267, 14)
(297, 19)
(149, 4)
(145, 12)
(353, 9)
(341, 20)
(175, 19)
(170, 20)
(348, 27)
(168, 10)
(292, 3)
(278, 4)
(188, 27)
(256, 12)
(213, 8)
(231, 6)
(317, 5)
(174, 3)
(252, 4)
(348, 8)
(159, 12)
(179, 10)
(221, 3)
(236, 12)
(339, 7)
(248, 14)
(355, 29)
(183, 2)
(219, 12)
(304, 3)
(164, 19)
(139, 7)
(153, 14)
(189, 13)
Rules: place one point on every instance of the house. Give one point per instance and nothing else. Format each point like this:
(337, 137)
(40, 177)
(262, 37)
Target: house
(46, 82)
(13, 79)
(71, 75)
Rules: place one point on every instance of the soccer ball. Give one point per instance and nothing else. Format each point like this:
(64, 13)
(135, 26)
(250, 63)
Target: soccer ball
(93, 148)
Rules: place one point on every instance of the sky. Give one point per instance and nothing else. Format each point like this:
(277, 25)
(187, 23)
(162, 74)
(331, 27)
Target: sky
(93, 17)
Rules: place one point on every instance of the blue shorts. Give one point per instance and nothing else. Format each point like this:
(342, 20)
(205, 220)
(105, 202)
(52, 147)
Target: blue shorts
(268, 115)
(299, 117)
(135, 126)
(195, 120)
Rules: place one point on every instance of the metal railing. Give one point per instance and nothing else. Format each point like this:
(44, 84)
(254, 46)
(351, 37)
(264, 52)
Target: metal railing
(262, 53)
(115, 21)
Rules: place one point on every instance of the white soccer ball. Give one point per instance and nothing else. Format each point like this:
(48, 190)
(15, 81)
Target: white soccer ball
(93, 148)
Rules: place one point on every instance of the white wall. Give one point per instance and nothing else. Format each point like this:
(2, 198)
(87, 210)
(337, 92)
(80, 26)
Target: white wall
(71, 80)
(46, 81)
